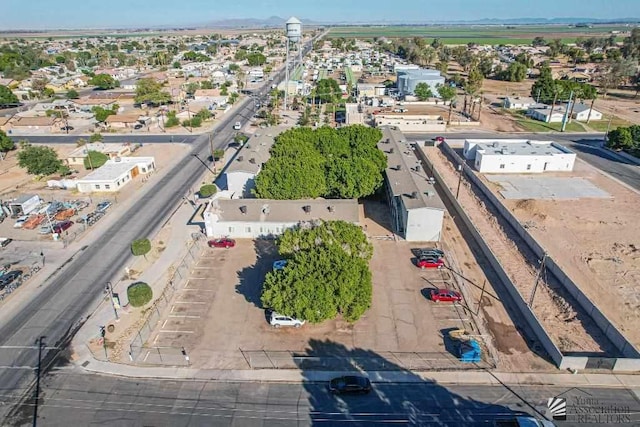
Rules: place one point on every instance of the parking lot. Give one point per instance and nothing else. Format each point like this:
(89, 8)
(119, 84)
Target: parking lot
(218, 319)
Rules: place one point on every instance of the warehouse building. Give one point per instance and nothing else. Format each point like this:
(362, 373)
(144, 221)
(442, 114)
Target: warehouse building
(408, 79)
(417, 212)
(115, 173)
(518, 156)
(256, 218)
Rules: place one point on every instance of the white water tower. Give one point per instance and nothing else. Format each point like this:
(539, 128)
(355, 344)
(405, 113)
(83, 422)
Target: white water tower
(293, 30)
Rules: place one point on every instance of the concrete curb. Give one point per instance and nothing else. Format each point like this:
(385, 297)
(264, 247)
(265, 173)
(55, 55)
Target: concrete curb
(300, 376)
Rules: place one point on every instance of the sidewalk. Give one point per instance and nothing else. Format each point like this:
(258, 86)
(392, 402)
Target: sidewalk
(297, 376)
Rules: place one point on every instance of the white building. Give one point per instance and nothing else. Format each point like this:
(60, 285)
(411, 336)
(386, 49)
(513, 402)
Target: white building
(543, 113)
(581, 113)
(408, 79)
(518, 102)
(518, 156)
(417, 212)
(115, 173)
(239, 176)
(255, 218)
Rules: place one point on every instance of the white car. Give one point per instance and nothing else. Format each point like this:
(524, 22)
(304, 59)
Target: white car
(278, 320)
(20, 221)
(237, 126)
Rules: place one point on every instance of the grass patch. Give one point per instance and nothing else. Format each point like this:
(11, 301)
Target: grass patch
(139, 294)
(538, 126)
(601, 125)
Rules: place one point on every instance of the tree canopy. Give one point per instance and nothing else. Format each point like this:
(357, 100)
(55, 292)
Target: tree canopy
(6, 96)
(625, 138)
(94, 159)
(6, 143)
(256, 58)
(149, 91)
(340, 164)
(103, 81)
(39, 160)
(543, 90)
(327, 273)
(423, 91)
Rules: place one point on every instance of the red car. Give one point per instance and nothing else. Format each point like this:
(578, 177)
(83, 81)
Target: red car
(222, 243)
(439, 139)
(62, 226)
(445, 295)
(430, 262)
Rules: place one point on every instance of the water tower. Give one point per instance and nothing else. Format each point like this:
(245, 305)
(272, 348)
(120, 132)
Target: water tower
(293, 29)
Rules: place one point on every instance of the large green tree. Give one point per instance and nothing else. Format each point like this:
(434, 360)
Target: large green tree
(39, 160)
(448, 94)
(149, 91)
(103, 81)
(256, 58)
(543, 90)
(423, 91)
(327, 273)
(6, 143)
(6, 96)
(326, 162)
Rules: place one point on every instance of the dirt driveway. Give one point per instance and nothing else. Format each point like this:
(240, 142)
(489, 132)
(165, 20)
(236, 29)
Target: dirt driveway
(219, 320)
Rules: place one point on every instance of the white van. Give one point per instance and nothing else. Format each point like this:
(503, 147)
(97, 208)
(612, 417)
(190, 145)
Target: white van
(237, 126)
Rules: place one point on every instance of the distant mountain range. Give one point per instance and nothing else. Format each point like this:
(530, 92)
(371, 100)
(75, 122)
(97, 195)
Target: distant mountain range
(277, 22)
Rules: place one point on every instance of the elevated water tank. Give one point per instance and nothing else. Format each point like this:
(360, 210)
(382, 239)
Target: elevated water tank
(293, 29)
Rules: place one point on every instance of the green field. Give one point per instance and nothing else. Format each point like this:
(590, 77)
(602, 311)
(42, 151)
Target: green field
(297, 73)
(322, 74)
(477, 34)
(538, 126)
(601, 125)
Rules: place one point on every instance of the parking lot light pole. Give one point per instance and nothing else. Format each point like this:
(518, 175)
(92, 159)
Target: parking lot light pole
(186, 357)
(109, 290)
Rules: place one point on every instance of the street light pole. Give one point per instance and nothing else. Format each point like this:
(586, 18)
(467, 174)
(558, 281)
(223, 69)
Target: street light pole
(109, 290)
(40, 342)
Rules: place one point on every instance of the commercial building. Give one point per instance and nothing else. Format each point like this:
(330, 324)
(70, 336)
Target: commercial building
(255, 218)
(408, 79)
(115, 173)
(24, 204)
(239, 176)
(518, 156)
(417, 212)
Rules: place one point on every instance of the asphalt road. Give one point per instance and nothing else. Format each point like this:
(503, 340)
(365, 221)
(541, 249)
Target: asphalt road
(86, 399)
(59, 309)
(585, 145)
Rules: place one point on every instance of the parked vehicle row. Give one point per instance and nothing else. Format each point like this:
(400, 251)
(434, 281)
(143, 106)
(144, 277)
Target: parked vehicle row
(429, 258)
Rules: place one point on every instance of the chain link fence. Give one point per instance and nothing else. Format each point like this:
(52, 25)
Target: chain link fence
(139, 350)
(381, 361)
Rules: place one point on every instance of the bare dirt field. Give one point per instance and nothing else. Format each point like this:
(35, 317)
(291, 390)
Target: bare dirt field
(597, 242)
(571, 330)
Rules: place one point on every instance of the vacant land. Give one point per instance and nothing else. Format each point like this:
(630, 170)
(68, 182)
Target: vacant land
(478, 34)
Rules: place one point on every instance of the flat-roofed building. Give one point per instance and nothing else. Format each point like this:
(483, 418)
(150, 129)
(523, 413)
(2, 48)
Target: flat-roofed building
(256, 218)
(518, 156)
(115, 173)
(417, 211)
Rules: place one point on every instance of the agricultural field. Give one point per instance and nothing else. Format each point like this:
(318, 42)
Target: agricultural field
(485, 34)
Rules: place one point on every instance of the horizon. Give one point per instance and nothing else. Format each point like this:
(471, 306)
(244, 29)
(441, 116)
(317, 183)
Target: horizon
(38, 15)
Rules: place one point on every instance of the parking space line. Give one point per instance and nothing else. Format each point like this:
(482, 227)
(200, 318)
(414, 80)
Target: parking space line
(155, 340)
(146, 356)
(163, 324)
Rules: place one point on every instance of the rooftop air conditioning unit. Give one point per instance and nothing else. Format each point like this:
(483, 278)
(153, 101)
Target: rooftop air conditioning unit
(331, 208)
(117, 159)
(252, 161)
(243, 209)
(414, 195)
(266, 209)
(417, 168)
(240, 158)
(399, 167)
(307, 208)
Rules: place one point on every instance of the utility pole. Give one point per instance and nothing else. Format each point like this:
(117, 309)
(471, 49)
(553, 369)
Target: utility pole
(535, 285)
(40, 342)
(566, 113)
(109, 290)
(459, 180)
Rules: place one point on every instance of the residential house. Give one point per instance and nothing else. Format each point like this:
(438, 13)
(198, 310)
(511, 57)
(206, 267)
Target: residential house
(87, 103)
(77, 156)
(543, 113)
(581, 113)
(122, 121)
(210, 96)
(518, 102)
(35, 124)
(115, 173)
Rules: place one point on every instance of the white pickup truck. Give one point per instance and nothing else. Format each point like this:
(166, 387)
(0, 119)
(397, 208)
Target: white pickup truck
(237, 125)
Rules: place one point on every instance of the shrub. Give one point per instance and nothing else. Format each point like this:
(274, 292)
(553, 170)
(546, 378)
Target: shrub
(139, 294)
(208, 190)
(95, 159)
(140, 247)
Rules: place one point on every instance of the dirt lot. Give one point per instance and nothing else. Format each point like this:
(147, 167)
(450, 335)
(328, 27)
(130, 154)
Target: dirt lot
(571, 329)
(599, 248)
(218, 313)
(16, 182)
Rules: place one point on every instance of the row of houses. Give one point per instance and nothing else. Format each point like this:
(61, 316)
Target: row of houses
(545, 113)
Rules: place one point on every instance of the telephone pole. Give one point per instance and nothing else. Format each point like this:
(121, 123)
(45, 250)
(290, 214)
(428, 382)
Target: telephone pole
(538, 275)
(40, 342)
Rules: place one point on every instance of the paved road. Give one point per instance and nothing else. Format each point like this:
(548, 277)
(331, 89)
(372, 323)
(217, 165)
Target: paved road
(59, 309)
(85, 399)
(585, 145)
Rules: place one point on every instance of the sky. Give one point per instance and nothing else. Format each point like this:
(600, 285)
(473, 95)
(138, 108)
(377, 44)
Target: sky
(51, 14)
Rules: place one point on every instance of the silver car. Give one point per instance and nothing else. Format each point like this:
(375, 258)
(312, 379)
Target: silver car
(278, 320)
